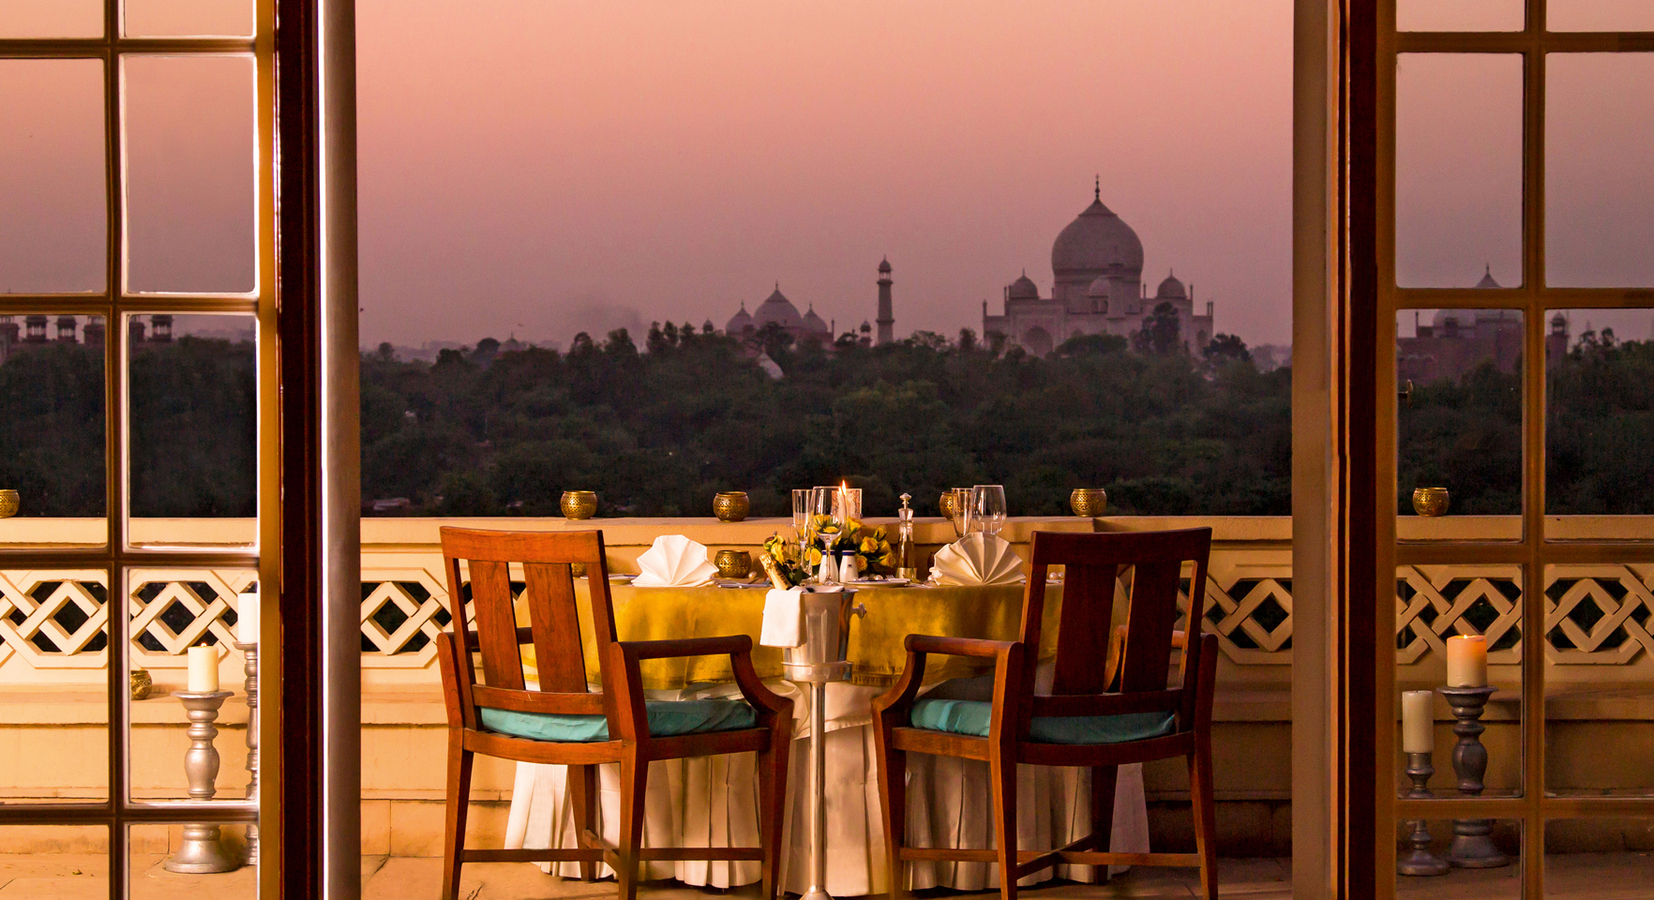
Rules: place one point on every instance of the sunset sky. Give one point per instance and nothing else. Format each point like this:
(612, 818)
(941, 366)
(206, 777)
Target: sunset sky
(539, 167)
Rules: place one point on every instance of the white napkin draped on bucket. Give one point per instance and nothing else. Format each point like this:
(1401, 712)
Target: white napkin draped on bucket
(674, 561)
(783, 618)
(977, 559)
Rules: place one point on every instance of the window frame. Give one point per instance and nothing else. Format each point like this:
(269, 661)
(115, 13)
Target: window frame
(1363, 308)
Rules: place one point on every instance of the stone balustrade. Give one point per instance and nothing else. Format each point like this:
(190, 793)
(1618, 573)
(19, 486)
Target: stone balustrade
(53, 657)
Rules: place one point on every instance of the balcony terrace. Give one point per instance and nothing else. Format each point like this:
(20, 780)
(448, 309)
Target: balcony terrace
(53, 711)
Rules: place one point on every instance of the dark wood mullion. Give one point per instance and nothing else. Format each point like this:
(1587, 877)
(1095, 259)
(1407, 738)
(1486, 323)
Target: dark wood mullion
(1365, 585)
(298, 318)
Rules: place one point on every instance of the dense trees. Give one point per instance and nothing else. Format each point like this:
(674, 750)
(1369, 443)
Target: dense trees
(656, 431)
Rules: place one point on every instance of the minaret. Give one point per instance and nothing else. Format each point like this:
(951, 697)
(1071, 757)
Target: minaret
(887, 317)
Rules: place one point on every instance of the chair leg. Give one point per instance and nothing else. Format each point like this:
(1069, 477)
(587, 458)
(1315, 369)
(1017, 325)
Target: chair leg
(1003, 774)
(582, 789)
(1205, 817)
(772, 805)
(893, 805)
(1103, 781)
(634, 783)
(459, 800)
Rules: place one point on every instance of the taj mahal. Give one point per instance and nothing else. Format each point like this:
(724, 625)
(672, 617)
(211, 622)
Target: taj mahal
(1097, 268)
(1097, 289)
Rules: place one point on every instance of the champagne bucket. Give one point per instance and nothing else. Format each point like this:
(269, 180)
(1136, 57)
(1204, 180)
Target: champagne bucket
(823, 655)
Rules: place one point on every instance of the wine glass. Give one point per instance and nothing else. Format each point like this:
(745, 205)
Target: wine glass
(824, 504)
(987, 505)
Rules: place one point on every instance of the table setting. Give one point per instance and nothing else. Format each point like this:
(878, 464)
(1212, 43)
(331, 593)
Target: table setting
(863, 585)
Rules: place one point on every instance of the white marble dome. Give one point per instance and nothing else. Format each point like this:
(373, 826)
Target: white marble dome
(778, 309)
(1096, 241)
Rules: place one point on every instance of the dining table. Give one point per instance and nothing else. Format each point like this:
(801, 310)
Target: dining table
(713, 801)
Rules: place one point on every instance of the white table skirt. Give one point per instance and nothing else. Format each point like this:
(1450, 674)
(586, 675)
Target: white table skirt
(713, 802)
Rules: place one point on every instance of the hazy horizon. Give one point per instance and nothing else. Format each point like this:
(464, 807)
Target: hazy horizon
(539, 168)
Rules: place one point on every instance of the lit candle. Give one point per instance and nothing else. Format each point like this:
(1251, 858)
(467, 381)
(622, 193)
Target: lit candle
(1467, 661)
(246, 618)
(1417, 722)
(203, 670)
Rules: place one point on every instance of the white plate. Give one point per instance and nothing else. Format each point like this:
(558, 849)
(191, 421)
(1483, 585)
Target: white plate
(883, 582)
(621, 579)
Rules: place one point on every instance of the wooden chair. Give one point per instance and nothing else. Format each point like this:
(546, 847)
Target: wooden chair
(1081, 722)
(566, 723)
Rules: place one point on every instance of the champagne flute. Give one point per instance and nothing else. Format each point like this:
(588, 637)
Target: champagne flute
(961, 511)
(801, 524)
(987, 506)
(824, 502)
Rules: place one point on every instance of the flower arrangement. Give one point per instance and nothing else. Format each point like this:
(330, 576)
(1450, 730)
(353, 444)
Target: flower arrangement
(871, 547)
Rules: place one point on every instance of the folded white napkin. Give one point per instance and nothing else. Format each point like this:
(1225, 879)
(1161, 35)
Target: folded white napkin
(977, 559)
(674, 561)
(783, 618)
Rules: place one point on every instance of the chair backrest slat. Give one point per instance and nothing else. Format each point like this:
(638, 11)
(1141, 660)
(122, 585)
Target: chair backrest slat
(502, 659)
(1082, 636)
(548, 592)
(1150, 617)
(554, 616)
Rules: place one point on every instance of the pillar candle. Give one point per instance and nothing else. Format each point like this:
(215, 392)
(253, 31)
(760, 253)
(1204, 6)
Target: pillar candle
(203, 670)
(1467, 661)
(246, 618)
(1417, 722)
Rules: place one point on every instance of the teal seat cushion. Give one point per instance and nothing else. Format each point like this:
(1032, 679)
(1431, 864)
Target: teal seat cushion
(666, 718)
(972, 717)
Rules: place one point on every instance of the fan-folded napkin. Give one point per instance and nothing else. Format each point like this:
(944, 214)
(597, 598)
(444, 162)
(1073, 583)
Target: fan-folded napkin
(977, 559)
(783, 618)
(674, 561)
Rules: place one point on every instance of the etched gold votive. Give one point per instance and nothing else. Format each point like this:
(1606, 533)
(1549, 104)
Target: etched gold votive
(731, 506)
(1088, 502)
(142, 684)
(1430, 501)
(945, 505)
(733, 563)
(9, 503)
(579, 504)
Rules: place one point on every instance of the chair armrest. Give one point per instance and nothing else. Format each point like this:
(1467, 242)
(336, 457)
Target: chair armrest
(625, 656)
(706, 646)
(957, 646)
(900, 697)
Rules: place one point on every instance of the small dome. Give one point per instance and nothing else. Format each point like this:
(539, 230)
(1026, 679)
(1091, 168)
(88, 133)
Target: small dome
(1487, 281)
(707, 326)
(1559, 321)
(1171, 289)
(1099, 288)
(813, 322)
(1024, 289)
(885, 266)
(866, 326)
(778, 309)
(741, 321)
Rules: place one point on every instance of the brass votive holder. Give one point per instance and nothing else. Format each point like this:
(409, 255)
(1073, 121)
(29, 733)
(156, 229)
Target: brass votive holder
(577, 570)
(733, 563)
(1430, 501)
(142, 684)
(731, 506)
(945, 505)
(9, 503)
(1088, 502)
(579, 504)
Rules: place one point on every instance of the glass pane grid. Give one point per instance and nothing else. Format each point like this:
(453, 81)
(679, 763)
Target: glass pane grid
(81, 303)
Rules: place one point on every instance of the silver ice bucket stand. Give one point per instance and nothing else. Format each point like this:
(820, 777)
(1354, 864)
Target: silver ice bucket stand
(819, 660)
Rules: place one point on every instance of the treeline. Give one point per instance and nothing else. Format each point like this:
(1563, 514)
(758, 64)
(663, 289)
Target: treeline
(657, 430)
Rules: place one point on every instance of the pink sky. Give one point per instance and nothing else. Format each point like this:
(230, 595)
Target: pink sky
(539, 167)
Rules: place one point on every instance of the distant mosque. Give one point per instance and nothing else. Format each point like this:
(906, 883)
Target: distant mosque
(1097, 262)
(779, 311)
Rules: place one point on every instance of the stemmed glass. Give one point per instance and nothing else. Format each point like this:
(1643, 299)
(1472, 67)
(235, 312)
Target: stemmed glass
(961, 511)
(987, 509)
(801, 525)
(823, 509)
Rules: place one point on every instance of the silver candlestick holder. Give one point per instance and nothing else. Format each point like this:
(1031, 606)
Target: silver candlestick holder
(249, 654)
(1473, 846)
(202, 851)
(1421, 861)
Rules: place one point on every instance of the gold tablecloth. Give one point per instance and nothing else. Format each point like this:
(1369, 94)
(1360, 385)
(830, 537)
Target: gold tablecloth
(876, 652)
